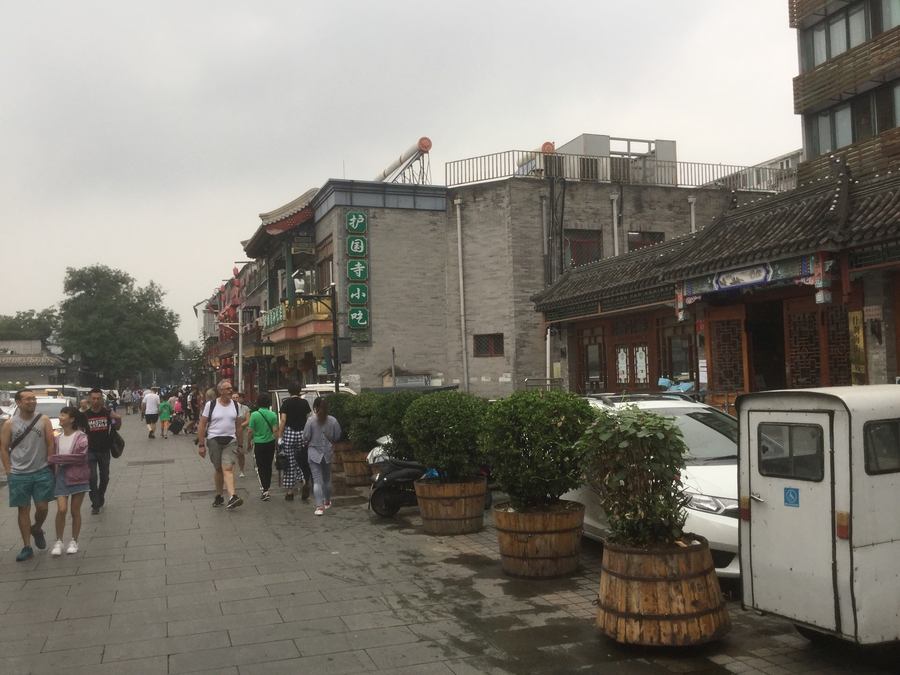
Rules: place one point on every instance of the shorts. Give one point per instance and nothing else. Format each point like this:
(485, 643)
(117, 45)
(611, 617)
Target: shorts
(222, 454)
(64, 490)
(151, 417)
(25, 487)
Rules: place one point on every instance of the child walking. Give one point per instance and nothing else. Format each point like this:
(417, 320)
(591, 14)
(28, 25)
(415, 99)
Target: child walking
(72, 475)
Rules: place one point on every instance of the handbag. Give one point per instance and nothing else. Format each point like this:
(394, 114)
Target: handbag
(281, 461)
(116, 444)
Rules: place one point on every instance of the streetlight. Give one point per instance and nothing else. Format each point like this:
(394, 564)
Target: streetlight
(263, 351)
(332, 296)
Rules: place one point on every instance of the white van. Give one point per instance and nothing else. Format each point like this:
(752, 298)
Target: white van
(819, 496)
(309, 391)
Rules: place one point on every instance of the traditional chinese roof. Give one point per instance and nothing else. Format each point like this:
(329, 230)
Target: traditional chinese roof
(280, 220)
(831, 214)
(19, 361)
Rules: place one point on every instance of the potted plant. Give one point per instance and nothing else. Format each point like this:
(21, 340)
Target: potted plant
(443, 429)
(365, 427)
(658, 584)
(393, 409)
(529, 441)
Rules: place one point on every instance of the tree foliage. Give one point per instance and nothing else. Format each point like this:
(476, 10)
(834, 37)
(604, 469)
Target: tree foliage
(30, 325)
(118, 327)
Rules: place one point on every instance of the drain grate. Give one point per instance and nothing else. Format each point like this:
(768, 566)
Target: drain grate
(148, 462)
(208, 494)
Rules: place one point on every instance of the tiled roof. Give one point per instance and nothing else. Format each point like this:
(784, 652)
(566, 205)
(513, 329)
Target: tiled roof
(18, 361)
(831, 214)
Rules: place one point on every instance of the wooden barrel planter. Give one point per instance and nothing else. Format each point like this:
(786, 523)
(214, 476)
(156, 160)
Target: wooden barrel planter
(451, 508)
(339, 485)
(539, 544)
(356, 468)
(660, 596)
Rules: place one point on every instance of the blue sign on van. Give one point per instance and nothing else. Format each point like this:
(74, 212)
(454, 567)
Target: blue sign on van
(792, 497)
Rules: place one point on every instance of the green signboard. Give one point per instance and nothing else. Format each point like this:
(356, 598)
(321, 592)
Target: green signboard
(357, 246)
(357, 270)
(357, 294)
(357, 222)
(359, 317)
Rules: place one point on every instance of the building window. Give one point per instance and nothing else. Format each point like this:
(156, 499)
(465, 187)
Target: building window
(837, 33)
(325, 264)
(489, 345)
(864, 116)
(638, 240)
(583, 246)
(890, 14)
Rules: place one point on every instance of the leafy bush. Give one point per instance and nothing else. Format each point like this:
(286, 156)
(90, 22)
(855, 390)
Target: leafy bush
(443, 429)
(366, 422)
(632, 459)
(529, 441)
(393, 408)
(339, 405)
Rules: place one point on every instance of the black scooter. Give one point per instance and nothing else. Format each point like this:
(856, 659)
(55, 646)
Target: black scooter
(394, 487)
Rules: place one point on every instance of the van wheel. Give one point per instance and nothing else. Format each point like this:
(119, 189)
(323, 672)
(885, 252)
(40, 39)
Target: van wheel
(382, 504)
(815, 636)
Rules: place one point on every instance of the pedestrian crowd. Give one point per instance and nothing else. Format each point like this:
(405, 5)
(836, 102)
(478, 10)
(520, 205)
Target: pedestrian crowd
(42, 465)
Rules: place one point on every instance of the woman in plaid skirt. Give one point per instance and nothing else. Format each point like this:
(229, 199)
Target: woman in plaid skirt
(294, 412)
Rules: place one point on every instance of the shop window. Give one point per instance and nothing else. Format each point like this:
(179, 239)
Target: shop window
(882, 446)
(583, 247)
(638, 240)
(792, 451)
(489, 345)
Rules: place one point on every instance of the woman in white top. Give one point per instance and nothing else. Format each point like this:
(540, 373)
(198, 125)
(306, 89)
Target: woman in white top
(72, 474)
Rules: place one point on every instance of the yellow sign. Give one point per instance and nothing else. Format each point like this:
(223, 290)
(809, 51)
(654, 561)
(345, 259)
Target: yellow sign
(857, 347)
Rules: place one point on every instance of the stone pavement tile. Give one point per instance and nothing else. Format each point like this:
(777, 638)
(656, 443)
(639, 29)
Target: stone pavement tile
(425, 614)
(119, 631)
(435, 630)
(185, 598)
(106, 605)
(159, 569)
(154, 589)
(156, 665)
(328, 664)
(474, 666)
(51, 662)
(94, 581)
(373, 620)
(23, 646)
(261, 580)
(382, 590)
(311, 629)
(185, 555)
(400, 600)
(189, 577)
(271, 602)
(348, 607)
(390, 657)
(364, 639)
(118, 564)
(8, 620)
(165, 646)
(249, 655)
(224, 622)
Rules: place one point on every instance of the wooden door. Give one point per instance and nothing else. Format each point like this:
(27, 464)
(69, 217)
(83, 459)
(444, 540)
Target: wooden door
(727, 355)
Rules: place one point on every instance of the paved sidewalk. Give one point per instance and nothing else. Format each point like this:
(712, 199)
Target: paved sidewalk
(163, 583)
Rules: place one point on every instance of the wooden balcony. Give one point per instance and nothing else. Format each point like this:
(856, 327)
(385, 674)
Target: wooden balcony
(303, 311)
(867, 158)
(801, 9)
(856, 70)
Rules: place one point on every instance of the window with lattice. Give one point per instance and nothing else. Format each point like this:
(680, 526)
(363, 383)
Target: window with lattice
(489, 345)
(583, 246)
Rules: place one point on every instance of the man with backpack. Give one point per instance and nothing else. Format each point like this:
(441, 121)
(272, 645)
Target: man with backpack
(100, 422)
(222, 430)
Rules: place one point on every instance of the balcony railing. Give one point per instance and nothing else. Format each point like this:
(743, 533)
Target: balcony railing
(300, 312)
(643, 170)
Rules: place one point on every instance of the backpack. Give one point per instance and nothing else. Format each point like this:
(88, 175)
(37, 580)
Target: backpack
(215, 404)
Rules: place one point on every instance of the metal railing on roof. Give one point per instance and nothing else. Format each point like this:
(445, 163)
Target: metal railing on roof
(638, 170)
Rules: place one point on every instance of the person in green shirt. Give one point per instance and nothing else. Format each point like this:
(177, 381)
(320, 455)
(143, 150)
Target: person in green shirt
(263, 429)
(165, 415)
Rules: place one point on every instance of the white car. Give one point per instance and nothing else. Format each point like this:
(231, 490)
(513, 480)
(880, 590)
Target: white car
(710, 477)
(49, 406)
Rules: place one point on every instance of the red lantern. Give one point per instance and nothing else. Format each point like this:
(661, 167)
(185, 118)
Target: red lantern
(237, 283)
(222, 288)
(235, 271)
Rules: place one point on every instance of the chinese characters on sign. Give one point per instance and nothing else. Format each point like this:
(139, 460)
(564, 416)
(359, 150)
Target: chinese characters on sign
(358, 272)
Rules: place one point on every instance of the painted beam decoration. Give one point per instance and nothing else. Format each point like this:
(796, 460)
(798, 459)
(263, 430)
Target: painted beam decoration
(358, 318)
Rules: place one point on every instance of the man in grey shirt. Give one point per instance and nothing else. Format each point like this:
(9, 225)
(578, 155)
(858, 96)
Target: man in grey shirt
(26, 440)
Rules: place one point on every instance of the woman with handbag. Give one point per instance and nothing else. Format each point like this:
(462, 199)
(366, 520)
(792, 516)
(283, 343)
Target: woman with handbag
(72, 474)
(263, 426)
(294, 411)
(321, 432)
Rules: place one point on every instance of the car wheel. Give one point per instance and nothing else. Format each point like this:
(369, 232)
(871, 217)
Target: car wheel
(382, 503)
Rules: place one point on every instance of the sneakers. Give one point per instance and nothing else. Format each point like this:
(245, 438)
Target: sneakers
(241, 474)
(39, 540)
(327, 505)
(304, 493)
(57, 548)
(219, 501)
(25, 554)
(151, 435)
(265, 496)
(320, 511)
(73, 547)
(289, 497)
(234, 502)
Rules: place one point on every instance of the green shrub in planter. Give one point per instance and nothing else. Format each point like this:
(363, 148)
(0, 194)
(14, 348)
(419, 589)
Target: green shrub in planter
(443, 429)
(529, 441)
(632, 459)
(339, 405)
(393, 409)
(366, 422)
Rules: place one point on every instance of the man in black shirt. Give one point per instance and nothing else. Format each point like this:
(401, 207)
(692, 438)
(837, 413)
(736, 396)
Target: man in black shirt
(100, 422)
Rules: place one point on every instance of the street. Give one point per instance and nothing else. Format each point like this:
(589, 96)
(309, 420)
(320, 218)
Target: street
(163, 583)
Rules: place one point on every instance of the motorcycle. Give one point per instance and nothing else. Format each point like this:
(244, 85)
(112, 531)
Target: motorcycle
(393, 487)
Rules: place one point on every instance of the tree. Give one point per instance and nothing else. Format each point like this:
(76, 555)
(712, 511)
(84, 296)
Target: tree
(30, 325)
(119, 328)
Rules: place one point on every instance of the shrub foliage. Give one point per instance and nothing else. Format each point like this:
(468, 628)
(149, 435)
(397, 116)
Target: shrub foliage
(393, 409)
(339, 406)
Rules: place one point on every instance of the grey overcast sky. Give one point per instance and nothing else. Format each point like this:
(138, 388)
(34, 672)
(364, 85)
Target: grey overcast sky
(148, 135)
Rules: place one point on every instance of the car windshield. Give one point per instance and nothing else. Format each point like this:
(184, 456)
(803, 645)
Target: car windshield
(51, 408)
(710, 435)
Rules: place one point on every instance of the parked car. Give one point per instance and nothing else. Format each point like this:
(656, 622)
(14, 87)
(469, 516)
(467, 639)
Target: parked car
(309, 391)
(710, 477)
(49, 406)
